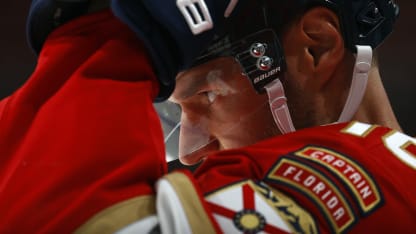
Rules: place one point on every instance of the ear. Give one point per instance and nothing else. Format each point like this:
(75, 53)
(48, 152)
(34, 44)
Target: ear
(316, 42)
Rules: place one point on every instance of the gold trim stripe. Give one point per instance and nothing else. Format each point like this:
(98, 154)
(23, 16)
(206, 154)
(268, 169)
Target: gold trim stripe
(120, 215)
(197, 216)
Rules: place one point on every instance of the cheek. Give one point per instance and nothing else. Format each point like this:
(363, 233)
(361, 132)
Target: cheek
(293, 70)
(249, 129)
(237, 106)
(240, 113)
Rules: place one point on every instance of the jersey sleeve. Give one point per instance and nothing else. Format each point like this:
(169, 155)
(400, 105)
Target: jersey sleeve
(81, 135)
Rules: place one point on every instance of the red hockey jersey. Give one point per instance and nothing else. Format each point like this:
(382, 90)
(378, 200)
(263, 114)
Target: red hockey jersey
(81, 150)
(349, 177)
(81, 134)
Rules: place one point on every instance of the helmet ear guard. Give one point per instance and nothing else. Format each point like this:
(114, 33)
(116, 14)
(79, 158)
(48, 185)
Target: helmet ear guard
(261, 58)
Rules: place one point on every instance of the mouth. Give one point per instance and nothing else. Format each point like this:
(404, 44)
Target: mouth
(200, 154)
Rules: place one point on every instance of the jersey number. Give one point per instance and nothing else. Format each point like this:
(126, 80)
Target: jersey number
(399, 144)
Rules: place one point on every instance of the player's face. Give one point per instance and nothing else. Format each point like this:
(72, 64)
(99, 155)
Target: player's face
(220, 110)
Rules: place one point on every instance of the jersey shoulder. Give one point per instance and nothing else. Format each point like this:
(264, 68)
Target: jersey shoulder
(349, 174)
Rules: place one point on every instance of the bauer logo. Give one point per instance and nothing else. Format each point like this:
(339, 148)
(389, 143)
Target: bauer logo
(266, 75)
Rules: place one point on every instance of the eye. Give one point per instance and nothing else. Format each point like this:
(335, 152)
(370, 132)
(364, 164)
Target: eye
(211, 96)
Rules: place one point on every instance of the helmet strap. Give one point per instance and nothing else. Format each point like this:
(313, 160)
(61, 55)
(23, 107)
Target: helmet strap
(359, 82)
(278, 106)
(278, 100)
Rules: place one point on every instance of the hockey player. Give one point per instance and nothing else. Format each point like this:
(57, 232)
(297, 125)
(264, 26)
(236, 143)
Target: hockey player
(81, 143)
(233, 97)
(222, 109)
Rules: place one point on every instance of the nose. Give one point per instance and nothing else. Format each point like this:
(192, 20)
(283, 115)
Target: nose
(194, 137)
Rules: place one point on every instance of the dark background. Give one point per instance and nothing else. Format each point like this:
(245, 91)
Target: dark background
(397, 61)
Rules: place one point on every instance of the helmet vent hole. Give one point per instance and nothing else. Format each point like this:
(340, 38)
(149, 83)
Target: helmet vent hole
(192, 9)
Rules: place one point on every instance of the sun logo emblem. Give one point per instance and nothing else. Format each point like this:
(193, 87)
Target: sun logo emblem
(249, 221)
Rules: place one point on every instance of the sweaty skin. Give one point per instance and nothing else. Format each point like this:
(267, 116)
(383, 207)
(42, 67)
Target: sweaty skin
(220, 110)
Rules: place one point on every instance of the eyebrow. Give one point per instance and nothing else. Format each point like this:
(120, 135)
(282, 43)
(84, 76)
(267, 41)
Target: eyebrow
(188, 84)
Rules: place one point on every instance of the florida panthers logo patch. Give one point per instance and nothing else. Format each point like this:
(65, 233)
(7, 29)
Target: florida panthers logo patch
(256, 208)
(321, 190)
(358, 180)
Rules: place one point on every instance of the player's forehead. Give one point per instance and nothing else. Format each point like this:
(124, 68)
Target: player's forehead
(191, 80)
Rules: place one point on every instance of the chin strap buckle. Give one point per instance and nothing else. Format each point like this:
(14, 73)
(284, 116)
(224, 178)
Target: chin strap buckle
(278, 106)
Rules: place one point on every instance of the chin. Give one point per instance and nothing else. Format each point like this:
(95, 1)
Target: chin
(201, 154)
